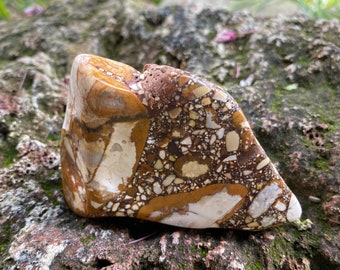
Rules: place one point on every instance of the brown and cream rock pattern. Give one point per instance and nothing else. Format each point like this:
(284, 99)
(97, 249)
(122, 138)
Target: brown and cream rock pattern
(166, 146)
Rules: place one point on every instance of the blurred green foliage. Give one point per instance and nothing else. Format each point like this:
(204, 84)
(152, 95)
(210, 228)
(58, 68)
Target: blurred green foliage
(157, 2)
(4, 13)
(326, 9)
(18, 5)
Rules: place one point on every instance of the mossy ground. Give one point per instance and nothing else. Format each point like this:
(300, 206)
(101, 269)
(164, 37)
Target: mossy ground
(292, 102)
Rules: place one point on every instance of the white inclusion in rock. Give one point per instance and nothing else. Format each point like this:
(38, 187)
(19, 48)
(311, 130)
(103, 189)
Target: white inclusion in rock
(89, 157)
(205, 212)
(264, 200)
(294, 209)
(263, 163)
(157, 188)
(201, 91)
(209, 121)
(220, 133)
(220, 95)
(116, 166)
(232, 141)
(267, 221)
(78, 200)
(193, 169)
(95, 204)
(280, 206)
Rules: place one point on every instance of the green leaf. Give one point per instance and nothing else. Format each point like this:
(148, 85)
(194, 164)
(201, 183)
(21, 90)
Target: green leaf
(4, 13)
(291, 87)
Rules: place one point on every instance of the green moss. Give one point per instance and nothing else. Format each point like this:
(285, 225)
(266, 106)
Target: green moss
(50, 187)
(5, 239)
(9, 152)
(280, 248)
(202, 251)
(308, 143)
(55, 137)
(87, 241)
(283, 247)
(157, 2)
(329, 145)
(323, 223)
(84, 240)
(276, 104)
(254, 258)
(322, 164)
(254, 265)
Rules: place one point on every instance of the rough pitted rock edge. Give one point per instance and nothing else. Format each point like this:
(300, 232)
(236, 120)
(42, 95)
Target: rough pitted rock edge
(298, 128)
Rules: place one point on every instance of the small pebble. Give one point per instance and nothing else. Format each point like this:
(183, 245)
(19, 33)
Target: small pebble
(314, 199)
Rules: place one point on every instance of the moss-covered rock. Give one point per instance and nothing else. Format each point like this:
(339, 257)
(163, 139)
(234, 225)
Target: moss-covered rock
(284, 72)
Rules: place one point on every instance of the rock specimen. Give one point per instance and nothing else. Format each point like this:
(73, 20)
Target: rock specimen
(166, 146)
